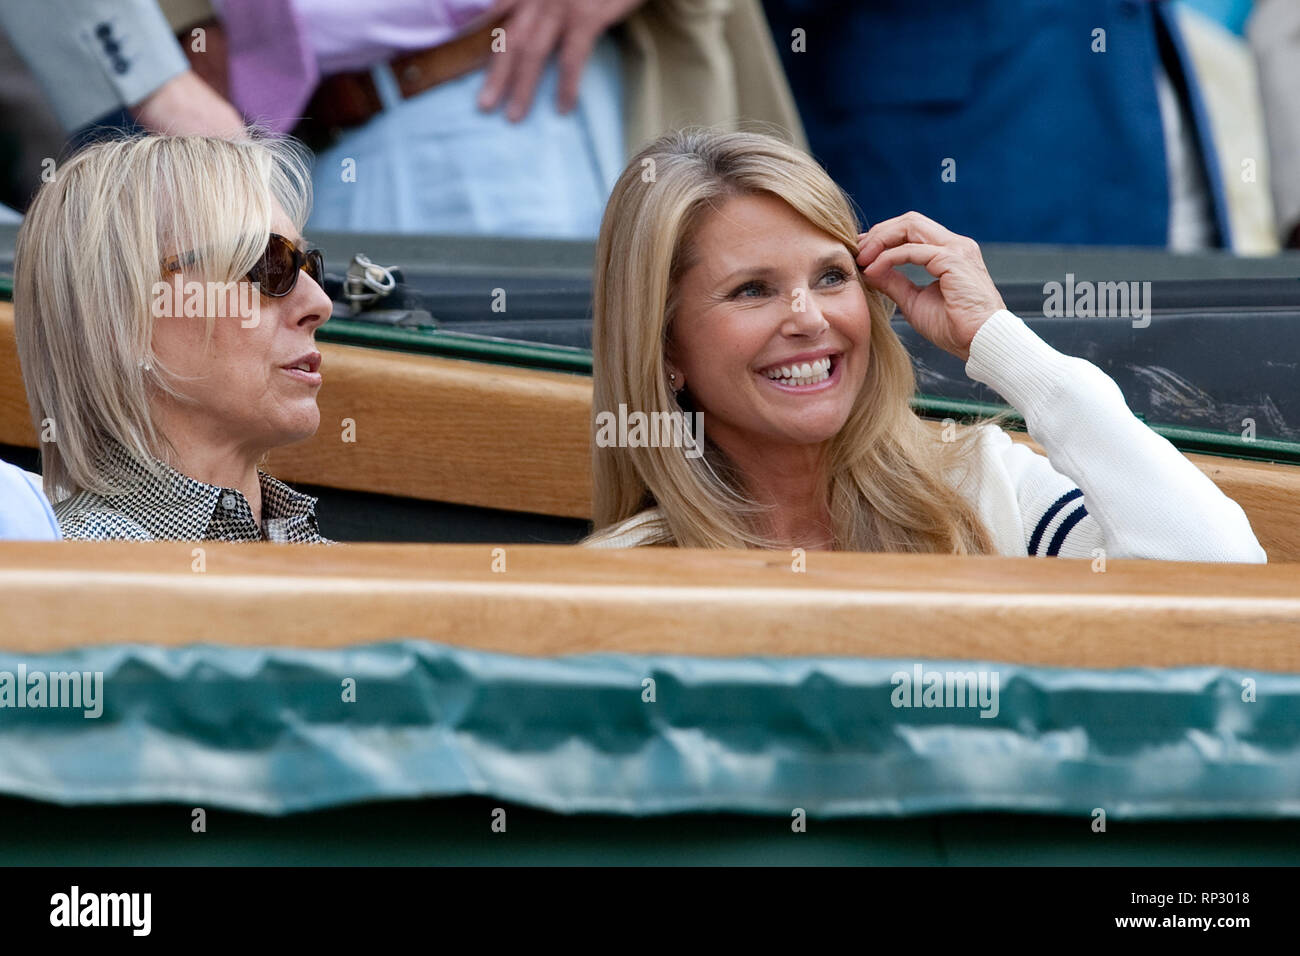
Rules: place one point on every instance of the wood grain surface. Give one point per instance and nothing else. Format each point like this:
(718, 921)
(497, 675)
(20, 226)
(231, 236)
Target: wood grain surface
(552, 600)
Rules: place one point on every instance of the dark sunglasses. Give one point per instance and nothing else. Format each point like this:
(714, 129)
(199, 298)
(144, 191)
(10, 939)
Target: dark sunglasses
(276, 271)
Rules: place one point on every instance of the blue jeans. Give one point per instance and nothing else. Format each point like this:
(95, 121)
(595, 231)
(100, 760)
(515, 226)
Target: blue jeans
(437, 164)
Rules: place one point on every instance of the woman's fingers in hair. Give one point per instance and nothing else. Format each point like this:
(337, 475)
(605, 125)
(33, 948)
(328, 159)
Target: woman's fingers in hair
(933, 259)
(947, 312)
(882, 270)
(910, 227)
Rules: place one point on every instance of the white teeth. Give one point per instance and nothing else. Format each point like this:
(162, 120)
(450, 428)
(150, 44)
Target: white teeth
(804, 373)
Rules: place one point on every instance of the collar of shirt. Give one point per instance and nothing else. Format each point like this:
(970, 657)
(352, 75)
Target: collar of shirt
(170, 505)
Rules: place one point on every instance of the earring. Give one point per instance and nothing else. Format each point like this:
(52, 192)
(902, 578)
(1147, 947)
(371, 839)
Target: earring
(145, 366)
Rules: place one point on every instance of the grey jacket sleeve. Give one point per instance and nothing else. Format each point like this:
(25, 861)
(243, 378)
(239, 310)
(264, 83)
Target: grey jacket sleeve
(93, 57)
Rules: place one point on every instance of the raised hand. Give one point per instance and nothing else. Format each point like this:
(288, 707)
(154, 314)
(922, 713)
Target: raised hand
(948, 312)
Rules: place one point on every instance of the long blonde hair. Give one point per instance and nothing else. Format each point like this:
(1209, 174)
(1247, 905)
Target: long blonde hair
(87, 257)
(889, 474)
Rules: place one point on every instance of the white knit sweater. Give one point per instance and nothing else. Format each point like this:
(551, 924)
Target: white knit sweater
(1107, 482)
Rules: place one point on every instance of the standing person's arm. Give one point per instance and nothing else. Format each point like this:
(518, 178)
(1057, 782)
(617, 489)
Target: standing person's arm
(186, 104)
(96, 57)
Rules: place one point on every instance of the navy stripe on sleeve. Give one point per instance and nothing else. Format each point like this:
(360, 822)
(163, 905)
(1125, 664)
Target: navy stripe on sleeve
(1059, 538)
(1046, 519)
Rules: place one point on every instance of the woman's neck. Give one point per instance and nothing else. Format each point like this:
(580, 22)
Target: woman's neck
(791, 482)
(212, 459)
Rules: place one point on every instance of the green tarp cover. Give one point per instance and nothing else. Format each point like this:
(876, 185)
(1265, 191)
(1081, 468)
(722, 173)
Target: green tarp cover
(270, 731)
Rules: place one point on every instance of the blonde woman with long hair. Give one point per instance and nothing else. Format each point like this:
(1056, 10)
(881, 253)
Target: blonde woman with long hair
(733, 288)
(166, 313)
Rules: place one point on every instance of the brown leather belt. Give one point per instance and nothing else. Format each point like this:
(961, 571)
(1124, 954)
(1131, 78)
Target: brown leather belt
(345, 100)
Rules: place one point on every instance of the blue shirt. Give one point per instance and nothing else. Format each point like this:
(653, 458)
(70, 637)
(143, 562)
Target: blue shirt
(25, 514)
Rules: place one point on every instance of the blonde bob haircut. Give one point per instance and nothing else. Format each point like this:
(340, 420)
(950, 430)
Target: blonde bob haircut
(887, 471)
(89, 253)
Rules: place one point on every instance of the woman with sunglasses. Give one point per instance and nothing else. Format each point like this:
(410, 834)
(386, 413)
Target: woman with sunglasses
(155, 410)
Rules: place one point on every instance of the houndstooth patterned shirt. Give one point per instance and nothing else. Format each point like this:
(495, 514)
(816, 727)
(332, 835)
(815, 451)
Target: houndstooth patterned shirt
(169, 506)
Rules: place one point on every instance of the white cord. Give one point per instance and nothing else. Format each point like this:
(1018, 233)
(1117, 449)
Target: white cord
(365, 275)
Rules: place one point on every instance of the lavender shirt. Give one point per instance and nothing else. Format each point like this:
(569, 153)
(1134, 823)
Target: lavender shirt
(350, 35)
(279, 49)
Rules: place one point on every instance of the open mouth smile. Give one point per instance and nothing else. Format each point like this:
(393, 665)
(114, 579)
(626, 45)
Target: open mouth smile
(804, 376)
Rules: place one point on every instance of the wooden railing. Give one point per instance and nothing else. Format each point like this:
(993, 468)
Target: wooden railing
(539, 600)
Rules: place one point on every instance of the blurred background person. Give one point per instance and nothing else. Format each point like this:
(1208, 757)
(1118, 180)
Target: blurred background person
(71, 67)
(429, 121)
(1051, 121)
(503, 118)
(426, 120)
(466, 116)
(29, 132)
(495, 117)
(101, 62)
(1274, 32)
